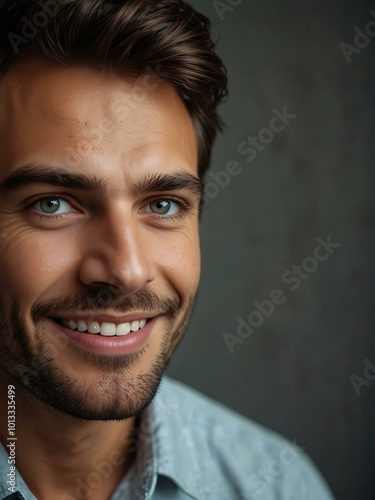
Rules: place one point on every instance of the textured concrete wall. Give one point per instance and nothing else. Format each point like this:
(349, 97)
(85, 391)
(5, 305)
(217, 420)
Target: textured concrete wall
(314, 178)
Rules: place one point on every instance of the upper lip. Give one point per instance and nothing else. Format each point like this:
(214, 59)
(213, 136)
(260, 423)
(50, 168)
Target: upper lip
(105, 318)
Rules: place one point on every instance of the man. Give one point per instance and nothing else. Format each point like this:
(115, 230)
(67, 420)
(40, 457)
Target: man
(107, 119)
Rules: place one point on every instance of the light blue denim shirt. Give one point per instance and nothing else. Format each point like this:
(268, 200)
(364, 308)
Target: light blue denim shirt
(191, 447)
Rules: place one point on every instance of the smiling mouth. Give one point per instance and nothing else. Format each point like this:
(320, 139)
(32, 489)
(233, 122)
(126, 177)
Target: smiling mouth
(104, 329)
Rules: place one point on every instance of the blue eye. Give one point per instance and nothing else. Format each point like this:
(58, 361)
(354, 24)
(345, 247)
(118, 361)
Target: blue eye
(164, 207)
(52, 206)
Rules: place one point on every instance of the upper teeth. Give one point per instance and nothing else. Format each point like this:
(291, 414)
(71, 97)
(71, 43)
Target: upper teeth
(106, 329)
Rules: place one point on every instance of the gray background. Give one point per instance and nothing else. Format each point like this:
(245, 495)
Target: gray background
(313, 180)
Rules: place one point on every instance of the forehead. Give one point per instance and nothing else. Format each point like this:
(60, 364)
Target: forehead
(55, 113)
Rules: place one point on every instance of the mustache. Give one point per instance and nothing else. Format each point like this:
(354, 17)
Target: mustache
(104, 300)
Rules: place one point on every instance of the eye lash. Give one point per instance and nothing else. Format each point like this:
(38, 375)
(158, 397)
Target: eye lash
(183, 204)
(47, 196)
(44, 216)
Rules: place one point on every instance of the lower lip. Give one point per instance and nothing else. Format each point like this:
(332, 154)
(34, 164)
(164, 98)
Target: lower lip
(99, 344)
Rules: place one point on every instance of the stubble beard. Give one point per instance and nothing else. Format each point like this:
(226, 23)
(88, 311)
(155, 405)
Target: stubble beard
(118, 392)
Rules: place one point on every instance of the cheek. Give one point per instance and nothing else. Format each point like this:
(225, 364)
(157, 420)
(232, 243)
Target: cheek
(180, 263)
(31, 264)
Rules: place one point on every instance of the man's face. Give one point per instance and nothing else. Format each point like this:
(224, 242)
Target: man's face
(106, 241)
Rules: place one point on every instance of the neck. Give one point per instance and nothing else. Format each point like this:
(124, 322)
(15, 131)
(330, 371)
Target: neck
(59, 456)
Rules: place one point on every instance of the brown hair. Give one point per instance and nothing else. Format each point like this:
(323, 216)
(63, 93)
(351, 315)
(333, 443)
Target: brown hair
(128, 38)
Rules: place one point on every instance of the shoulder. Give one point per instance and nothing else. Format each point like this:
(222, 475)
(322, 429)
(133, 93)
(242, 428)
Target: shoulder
(240, 454)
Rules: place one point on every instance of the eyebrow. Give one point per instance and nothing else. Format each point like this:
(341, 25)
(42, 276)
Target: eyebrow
(42, 174)
(170, 182)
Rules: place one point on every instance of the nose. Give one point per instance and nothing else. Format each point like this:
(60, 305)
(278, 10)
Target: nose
(116, 253)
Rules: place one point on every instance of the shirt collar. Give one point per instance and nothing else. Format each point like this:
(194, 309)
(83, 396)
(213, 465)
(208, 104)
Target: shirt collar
(166, 447)
(176, 448)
